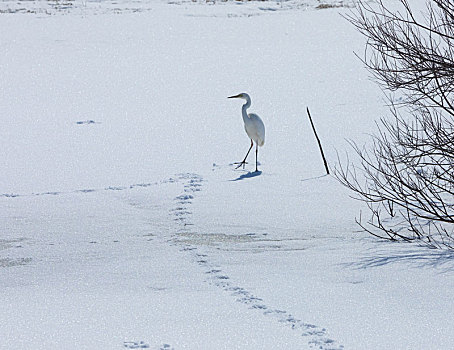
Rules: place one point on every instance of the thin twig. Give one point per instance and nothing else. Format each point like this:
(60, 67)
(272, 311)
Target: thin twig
(318, 140)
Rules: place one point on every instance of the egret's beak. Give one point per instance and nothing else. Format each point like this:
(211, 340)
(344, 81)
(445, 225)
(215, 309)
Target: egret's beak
(236, 96)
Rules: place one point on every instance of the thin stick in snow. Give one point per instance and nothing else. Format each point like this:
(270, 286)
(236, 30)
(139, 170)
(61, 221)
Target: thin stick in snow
(318, 140)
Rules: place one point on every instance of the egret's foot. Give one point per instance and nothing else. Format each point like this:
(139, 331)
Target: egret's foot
(240, 164)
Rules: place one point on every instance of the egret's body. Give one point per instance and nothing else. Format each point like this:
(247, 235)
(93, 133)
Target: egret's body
(254, 128)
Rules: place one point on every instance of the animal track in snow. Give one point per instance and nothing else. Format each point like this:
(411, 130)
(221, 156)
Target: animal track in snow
(191, 183)
(317, 337)
(82, 122)
(135, 345)
(143, 345)
(10, 262)
(91, 190)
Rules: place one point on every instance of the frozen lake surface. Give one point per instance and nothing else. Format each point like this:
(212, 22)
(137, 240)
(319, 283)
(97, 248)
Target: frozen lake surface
(124, 223)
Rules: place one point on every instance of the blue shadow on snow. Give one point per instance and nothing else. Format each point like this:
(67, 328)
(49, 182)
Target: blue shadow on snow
(248, 175)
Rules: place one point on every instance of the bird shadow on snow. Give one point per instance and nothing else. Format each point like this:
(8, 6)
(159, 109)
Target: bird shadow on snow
(248, 175)
(420, 257)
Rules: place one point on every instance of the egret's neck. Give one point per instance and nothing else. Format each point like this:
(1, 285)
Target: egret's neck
(244, 109)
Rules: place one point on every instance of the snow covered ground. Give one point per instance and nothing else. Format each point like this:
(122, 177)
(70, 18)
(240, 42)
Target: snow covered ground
(124, 223)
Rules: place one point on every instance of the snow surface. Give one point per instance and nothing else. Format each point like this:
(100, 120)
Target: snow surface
(123, 221)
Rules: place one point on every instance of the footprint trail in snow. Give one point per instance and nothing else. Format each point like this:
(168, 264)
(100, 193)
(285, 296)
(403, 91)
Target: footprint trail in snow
(317, 337)
(181, 214)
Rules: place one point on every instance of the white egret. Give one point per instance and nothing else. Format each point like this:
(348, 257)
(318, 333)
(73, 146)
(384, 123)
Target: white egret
(254, 127)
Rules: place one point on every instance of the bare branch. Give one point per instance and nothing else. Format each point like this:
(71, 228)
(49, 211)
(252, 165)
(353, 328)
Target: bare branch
(406, 177)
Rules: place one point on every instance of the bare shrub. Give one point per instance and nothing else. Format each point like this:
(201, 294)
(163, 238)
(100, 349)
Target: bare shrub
(407, 176)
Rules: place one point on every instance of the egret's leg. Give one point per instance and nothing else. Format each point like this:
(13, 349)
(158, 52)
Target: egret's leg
(244, 160)
(256, 156)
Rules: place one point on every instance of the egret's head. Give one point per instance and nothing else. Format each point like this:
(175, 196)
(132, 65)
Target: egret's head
(243, 95)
